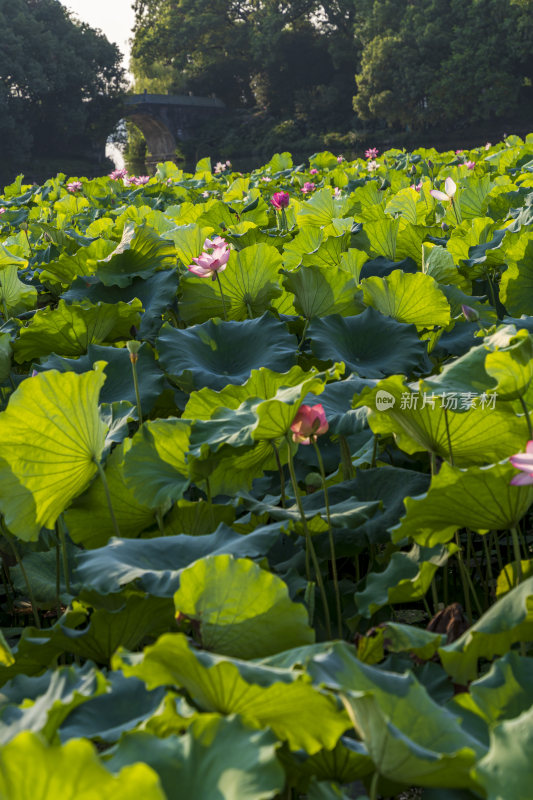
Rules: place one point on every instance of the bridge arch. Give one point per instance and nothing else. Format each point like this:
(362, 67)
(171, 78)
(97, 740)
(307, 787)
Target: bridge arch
(160, 142)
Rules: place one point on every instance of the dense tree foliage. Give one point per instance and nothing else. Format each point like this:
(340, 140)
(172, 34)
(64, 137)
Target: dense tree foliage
(60, 83)
(341, 65)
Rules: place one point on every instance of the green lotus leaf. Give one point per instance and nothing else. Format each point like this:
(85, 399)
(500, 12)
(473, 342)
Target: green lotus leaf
(466, 375)
(506, 769)
(510, 361)
(72, 772)
(156, 294)
(217, 353)
(6, 351)
(51, 440)
(473, 197)
(119, 386)
(481, 435)
(41, 571)
(505, 692)
(9, 258)
(155, 564)
(320, 210)
(250, 282)
(406, 578)
(88, 519)
(402, 638)
(67, 689)
(68, 330)
(412, 298)
(347, 762)
(216, 758)
(370, 344)
(125, 704)
(240, 609)
(197, 518)
(306, 243)
(439, 265)
(319, 291)
(141, 252)
(408, 203)
(263, 697)
(17, 296)
(80, 264)
(478, 498)
(516, 287)
(471, 234)
(396, 239)
(155, 468)
(353, 262)
(386, 709)
(509, 620)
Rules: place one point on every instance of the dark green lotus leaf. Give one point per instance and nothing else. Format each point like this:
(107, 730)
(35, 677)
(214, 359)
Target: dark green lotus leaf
(67, 689)
(79, 265)
(118, 417)
(240, 609)
(217, 353)
(324, 790)
(156, 294)
(119, 384)
(68, 330)
(41, 570)
(380, 267)
(371, 344)
(250, 283)
(386, 708)
(197, 518)
(509, 620)
(347, 762)
(216, 758)
(506, 769)
(155, 564)
(124, 705)
(479, 498)
(319, 291)
(505, 692)
(263, 697)
(155, 467)
(336, 400)
(406, 579)
(72, 771)
(141, 252)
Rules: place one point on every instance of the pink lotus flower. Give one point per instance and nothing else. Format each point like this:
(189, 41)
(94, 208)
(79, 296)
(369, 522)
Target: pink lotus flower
(220, 166)
(458, 152)
(280, 200)
(337, 193)
(313, 171)
(488, 145)
(372, 152)
(266, 179)
(74, 186)
(309, 422)
(524, 462)
(118, 174)
(308, 187)
(416, 186)
(3, 210)
(340, 159)
(471, 164)
(205, 194)
(372, 166)
(140, 180)
(228, 163)
(212, 260)
(450, 188)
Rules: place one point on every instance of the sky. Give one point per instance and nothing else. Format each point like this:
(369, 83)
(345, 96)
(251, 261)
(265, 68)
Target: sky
(113, 17)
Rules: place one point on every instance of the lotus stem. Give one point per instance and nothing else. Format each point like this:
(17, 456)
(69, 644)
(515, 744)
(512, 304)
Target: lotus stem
(63, 538)
(58, 576)
(133, 360)
(468, 586)
(281, 475)
(374, 786)
(448, 437)
(528, 419)
(302, 340)
(4, 304)
(346, 458)
(517, 556)
(331, 539)
(26, 581)
(221, 296)
(108, 497)
(374, 451)
(455, 211)
(310, 549)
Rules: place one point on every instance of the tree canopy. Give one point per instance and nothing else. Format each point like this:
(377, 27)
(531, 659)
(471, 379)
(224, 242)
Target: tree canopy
(60, 83)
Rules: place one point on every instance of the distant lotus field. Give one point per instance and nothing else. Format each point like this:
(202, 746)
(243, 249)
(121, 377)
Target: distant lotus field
(266, 472)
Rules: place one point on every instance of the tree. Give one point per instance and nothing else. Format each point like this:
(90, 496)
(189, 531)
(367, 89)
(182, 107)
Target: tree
(61, 82)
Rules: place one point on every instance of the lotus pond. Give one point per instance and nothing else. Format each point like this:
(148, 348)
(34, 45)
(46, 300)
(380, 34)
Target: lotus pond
(261, 535)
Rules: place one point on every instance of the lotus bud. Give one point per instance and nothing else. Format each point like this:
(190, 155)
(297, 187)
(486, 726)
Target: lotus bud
(469, 313)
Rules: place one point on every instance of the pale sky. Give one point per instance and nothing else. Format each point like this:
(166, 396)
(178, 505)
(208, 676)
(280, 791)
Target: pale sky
(113, 17)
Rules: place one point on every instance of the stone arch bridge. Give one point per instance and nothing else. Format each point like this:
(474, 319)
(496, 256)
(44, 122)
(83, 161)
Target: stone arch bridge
(166, 119)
